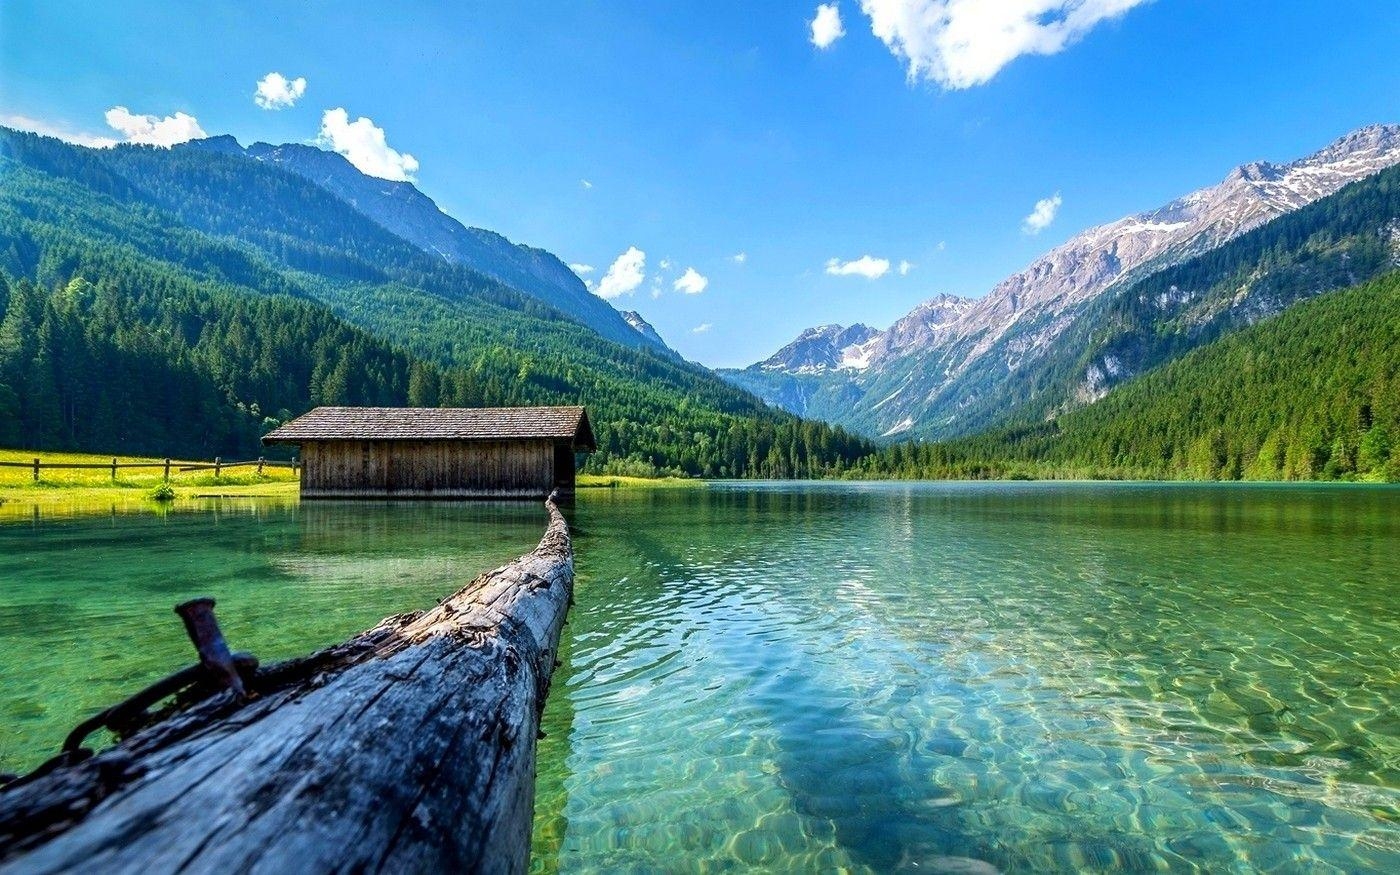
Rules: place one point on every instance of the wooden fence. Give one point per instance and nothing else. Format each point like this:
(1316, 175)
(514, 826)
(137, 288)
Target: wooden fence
(217, 466)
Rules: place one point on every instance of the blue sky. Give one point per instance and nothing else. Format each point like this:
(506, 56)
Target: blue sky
(709, 130)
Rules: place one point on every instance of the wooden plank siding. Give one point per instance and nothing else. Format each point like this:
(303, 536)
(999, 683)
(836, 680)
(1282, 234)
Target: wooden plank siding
(445, 469)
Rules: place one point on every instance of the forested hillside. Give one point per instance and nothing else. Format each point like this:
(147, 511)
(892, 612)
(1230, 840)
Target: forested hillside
(182, 301)
(1312, 394)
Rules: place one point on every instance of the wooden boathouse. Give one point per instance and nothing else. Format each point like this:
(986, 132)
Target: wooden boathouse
(437, 452)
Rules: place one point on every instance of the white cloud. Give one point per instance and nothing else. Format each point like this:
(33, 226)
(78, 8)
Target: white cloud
(942, 245)
(626, 273)
(905, 267)
(691, 282)
(363, 144)
(152, 130)
(53, 129)
(581, 269)
(739, 257)
(276, 91)
(702, 328)
(866, 266)
(1043, 214)
(586, 184)
(665, 264)
(963, 43)
(655, 293)
(826, 26)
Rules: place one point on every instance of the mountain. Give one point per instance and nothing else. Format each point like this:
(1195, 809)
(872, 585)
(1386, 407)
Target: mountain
(404, 210)
(1312, 394)
(821, 349)
(187, 300)
(644, 328)
(954, 373)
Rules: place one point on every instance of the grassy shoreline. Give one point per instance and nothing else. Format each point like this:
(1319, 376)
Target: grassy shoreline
(96, 488)
(62, 486)
(617, 481)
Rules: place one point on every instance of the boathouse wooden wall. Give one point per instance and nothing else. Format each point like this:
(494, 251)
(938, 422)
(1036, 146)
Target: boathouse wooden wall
(435, 468)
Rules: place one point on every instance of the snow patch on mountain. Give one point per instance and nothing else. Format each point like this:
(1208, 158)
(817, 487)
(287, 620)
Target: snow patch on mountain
(821, 349)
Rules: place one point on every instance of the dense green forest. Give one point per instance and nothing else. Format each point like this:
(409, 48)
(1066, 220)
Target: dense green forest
(1312, 394)
(187, 310)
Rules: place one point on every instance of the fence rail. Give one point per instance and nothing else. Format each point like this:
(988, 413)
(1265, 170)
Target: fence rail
(217, 466)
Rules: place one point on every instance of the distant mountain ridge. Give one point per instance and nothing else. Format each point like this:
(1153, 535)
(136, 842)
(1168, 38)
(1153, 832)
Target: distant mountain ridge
(943, 370)
(409, 213)
(644, 328)
(819, 349)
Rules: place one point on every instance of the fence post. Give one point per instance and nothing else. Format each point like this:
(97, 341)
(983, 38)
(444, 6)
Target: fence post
(114, 469)
(167, 470)
(217, 463)
(260, 464)
(36, 469)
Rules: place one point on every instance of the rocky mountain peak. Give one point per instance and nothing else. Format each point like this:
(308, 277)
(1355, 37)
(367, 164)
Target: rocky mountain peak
(643, 327)
(819, 349)
(1370, 139)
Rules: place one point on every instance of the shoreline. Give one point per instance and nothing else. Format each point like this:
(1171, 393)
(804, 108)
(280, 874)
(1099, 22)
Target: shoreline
(92, 490)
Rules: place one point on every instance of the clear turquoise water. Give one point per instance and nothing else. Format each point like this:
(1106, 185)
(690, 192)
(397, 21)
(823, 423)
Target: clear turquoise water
(1025, 677)
(956, 677)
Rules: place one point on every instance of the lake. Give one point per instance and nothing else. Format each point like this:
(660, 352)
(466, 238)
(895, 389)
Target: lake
(932, 677)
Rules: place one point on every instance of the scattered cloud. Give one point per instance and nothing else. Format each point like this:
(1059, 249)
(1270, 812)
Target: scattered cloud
(624, 275)
(655, 292)
(586, 184)
(702, 328)
(582, 269)
(826, 26)
(363, 145)
(1043, 214)
(739, 257)
(905, 267)
(866, 266)
(54, 129)
(942, 245)
(276, 91)
(691, 282)
(153, 130)
(665, 264)
(964, 43)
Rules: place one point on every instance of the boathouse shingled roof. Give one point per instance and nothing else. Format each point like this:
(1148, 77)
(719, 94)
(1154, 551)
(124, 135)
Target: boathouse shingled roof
(437, 424)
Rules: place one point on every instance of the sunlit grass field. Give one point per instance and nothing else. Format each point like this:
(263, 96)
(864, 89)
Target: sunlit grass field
(81, 485)
(617, 481)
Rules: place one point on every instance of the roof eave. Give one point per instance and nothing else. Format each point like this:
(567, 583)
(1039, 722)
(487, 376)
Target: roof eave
(270, 439)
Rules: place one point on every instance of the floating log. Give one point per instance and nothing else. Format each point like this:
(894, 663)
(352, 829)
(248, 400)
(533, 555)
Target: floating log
(410, 747)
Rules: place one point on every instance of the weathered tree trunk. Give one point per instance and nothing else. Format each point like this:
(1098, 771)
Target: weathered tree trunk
(410, 747)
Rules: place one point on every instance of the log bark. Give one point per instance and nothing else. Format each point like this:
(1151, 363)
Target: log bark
(410, 747)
